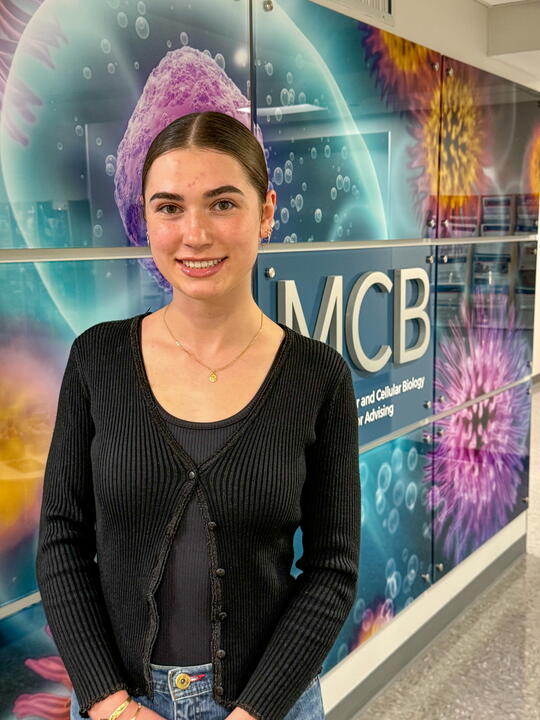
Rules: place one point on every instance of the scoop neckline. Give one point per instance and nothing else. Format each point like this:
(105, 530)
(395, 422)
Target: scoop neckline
(155, 408)
(224, 422)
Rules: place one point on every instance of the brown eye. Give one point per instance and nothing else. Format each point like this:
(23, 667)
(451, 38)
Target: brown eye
(219, 202)
(168, 209)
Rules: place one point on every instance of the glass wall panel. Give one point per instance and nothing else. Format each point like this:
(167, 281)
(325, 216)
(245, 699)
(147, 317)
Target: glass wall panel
(36, 330)
(484, 318)
(395, 558)
(480, 469)
(90, 84)
(350, 120)
(489, 156)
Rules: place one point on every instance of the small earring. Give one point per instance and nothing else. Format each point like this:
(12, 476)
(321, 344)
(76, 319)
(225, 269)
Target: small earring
(147, 239)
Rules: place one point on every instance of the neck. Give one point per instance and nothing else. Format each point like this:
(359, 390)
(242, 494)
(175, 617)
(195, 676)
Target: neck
(212, 328)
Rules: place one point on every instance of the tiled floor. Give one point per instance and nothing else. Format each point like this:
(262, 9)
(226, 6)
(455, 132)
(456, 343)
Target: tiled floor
(486, 664)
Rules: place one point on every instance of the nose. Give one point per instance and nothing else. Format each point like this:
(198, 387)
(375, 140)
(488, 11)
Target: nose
(195, 230)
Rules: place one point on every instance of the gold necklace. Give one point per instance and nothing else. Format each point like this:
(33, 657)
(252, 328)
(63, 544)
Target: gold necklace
(213, 376)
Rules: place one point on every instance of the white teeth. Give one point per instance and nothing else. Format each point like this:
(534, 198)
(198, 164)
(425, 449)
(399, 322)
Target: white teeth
(201, 264)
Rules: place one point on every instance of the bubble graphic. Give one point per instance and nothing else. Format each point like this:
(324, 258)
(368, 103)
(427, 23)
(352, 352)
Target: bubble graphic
(397, 460)
(59, 146)
(136, 65)
(344, 152)
(339, 182)
(98, 231)
(346, 183)
(384, 476)
(304, 186)
(291, 156)
(268, 99)
(333, 193)
(142, 28)
(110, 165)
(99, 141)
(299, 202)
(358, 610)
(294, 237)
(284, 215)
(404, 554)
(393, 586)
(79, 130)
(313, 153)
(288, 175)
(184, 38)
(380, 501)
(318, 215)
(220, 60)
(87, 72)
(340, 231)
(99, 214)
(288, 164)
(299, 60)
(269, 68)
(278, 114)
(122, 19)
(111, 68)
(284, 96)
(412, 458)
(301, 97)
(411, 495)
(399, 493)
(106, 46)
(390, 568)
(292, 96)
(277, 177)
(412, 568)
(393, 521)
(141, 8)
(290, 78)
(327, 151)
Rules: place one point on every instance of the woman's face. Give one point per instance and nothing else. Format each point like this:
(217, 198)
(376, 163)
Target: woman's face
(199, 205)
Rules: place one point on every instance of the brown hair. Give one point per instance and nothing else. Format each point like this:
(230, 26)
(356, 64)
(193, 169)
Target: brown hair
(215, 131)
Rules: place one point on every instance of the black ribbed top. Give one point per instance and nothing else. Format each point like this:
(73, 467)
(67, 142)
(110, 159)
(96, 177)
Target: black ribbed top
(116, 487)
(184, 595)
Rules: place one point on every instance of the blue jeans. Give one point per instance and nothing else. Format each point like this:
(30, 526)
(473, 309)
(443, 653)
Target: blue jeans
(196, 702)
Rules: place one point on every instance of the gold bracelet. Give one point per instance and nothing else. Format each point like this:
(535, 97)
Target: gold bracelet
(137, 710)
(119, 709)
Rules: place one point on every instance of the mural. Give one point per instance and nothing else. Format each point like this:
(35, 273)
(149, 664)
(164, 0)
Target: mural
(368, 138)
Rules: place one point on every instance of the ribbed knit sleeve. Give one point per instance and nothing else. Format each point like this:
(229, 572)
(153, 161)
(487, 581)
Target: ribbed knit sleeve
(324, 592)
(66, 572)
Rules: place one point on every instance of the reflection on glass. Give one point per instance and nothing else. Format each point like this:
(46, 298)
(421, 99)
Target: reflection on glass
(489, 159)
(484, 319)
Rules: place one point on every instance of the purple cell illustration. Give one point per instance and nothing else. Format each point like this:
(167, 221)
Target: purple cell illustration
(474, 470)
(17, 100)
(185, 81)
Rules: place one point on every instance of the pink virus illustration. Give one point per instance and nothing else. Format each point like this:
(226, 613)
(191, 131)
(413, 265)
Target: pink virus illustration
(18, 101)
(473, 472)
(186, 80)
(47, 705)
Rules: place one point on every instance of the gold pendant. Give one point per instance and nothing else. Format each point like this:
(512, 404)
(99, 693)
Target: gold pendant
(212, 377)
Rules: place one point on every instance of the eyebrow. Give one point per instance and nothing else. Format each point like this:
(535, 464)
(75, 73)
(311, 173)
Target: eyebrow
(209, 194)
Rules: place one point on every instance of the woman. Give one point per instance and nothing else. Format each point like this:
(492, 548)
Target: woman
(198, 438)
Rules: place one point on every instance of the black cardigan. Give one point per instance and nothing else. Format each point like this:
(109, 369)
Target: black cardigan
(115, 486)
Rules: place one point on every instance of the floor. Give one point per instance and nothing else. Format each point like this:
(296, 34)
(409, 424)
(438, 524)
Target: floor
(486, 664)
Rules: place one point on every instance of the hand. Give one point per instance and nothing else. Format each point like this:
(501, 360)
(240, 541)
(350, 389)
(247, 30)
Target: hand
(238, 714)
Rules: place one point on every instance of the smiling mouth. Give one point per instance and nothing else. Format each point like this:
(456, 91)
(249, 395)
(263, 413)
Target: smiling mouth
(202, 263)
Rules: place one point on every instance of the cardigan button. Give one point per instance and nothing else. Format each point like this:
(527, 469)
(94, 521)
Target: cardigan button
(219, 690)
(221, 653)
(220, 572)
(222, 615)
(192, 474)
(212, 525)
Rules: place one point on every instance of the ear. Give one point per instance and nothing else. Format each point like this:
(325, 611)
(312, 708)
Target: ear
(141, 205)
